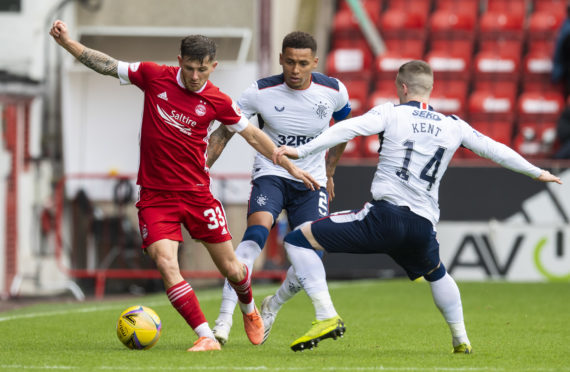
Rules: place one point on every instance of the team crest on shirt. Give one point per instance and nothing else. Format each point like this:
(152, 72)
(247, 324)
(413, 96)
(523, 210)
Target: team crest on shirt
(200, 110)
(321, 109)
(261, 200)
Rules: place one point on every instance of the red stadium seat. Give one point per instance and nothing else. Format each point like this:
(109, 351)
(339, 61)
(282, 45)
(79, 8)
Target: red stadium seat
(537, 69)
(536, 139)
(349, 63)
(408, 46)
(507, 6)
(501, 21)
(554, 6)
(542, 30)
(450, 97)
(537, 114)
(449, 65)
(354, 43)
(416, 6)
(501, 31)
(491, 106)
(396, 19)
(403, 31)
(452, 30)
(537, 62)
(539, 106)
(386, 67)
(468, 6)
(358, 94)
(497, 71)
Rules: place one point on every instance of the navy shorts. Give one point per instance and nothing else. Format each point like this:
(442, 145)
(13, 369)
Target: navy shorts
(382, 227)
(273, 194)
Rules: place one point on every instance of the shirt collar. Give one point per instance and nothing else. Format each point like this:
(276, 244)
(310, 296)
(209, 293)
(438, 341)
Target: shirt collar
(420, 105)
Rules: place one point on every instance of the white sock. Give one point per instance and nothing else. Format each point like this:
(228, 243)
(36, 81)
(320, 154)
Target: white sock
(289, 288)
(229, 301)
(203, 330)
(311, 275)
(246, 252)
(247, 308)
(448, 300)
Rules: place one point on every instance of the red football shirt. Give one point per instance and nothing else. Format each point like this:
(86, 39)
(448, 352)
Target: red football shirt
(175, 123)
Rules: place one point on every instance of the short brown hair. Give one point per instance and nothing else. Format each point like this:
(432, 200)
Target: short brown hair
(299, 40)
(197, 48)
(417, 75)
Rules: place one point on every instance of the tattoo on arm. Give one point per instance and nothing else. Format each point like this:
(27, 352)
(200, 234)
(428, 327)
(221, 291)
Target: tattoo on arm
(99, 62)
(333, 157)
(335, 153)
(218, 140)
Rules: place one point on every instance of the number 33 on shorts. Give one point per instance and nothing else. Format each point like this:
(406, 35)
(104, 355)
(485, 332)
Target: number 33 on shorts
(216, 218)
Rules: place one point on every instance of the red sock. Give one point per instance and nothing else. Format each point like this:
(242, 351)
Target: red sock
(183, 298)
(243, 288)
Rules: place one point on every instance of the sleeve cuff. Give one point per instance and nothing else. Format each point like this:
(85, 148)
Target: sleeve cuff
(342, 113)
(123, 72)
(239, 126)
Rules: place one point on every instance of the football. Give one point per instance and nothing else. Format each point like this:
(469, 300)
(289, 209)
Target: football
(139, 327)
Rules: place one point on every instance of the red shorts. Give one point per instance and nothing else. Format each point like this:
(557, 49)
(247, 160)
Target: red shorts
(161, 213)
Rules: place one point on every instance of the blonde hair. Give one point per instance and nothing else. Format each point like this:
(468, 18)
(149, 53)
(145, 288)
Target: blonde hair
(418, 77)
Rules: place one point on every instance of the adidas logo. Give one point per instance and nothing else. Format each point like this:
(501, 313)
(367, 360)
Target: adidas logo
(224, 231)
(163, 96)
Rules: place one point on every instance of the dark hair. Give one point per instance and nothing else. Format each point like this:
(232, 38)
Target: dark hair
(197, 48)
(299, 40)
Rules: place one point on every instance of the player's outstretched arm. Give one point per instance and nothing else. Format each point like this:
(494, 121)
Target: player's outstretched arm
(546, 176)
(95, 60)
(218, 141)
(263, 144)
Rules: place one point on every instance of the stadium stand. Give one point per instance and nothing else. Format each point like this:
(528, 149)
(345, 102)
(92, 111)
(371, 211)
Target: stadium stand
(492, 61)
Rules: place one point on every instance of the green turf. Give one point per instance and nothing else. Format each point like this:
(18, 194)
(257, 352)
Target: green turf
(391, 326)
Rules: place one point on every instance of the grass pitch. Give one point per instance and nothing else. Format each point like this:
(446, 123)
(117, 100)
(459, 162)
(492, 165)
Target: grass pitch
(391, 326)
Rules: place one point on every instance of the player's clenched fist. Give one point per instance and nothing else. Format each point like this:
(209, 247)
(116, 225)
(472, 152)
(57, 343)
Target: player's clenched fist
(59, 32)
